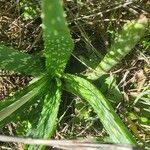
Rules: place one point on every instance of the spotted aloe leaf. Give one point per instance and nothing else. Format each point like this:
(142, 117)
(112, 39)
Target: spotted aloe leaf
(57, 39)
(108, 86)
(110, 120)
(14, 60)
(28, 112)
(130, 35)
(48, 118)
(12, 104)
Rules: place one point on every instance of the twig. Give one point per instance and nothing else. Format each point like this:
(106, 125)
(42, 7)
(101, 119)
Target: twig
(66, 144)
(100, 13)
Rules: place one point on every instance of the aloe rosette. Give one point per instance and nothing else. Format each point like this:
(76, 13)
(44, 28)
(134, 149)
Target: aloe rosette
(45, 90)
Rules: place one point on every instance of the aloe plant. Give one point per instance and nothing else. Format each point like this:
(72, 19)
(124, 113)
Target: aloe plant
(49, 76)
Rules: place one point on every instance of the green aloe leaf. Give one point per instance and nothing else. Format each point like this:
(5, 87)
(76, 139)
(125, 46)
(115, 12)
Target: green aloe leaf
(48, 118)
(12, 104)
(28, 112)
(14, 60)
(110, 120)
(130, 35)
(57, 40)
(108, 86)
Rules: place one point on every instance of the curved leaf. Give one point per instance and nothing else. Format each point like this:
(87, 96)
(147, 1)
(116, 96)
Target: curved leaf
(12, 104)
(13, 60)
(110, 120)
(57, 40)
(130, 35)
(28, 113)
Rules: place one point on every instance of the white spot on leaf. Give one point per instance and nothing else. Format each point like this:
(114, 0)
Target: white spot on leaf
(55, 32)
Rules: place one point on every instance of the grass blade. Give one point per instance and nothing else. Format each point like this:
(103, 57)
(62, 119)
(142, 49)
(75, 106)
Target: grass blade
(21, 98)
(130, 35)
(57, 40)
(48, 118)
(14, 60)
(110, 120)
